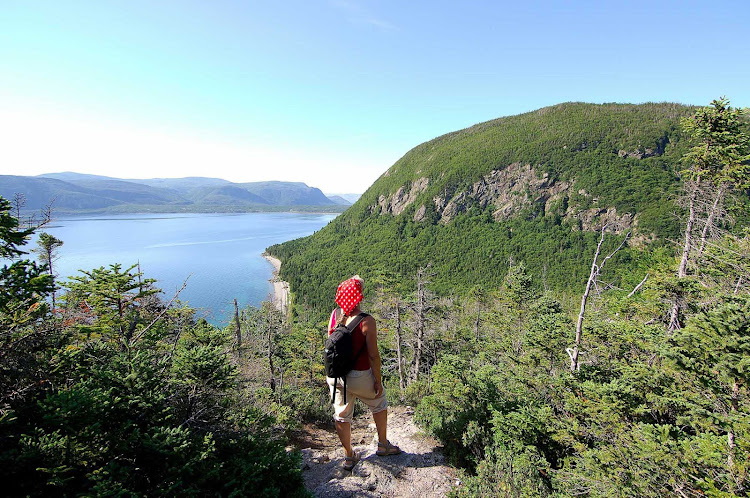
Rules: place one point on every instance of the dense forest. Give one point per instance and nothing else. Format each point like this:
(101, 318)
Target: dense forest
(551, 359)
(590, 165)
(551, 353)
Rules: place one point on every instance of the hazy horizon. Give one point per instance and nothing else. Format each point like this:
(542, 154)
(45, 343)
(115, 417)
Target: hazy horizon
(330, 92)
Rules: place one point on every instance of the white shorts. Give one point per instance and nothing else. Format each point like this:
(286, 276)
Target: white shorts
(360, 384)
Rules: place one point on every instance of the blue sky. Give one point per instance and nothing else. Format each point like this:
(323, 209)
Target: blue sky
(330, 92)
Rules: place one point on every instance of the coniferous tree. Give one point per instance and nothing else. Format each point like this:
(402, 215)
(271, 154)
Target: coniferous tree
(48, 245)
(717, 161)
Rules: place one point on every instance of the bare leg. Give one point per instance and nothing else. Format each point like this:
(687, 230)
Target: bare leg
(381, 423)
(344, 430)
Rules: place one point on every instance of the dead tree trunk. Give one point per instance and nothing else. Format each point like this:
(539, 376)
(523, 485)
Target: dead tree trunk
(19, 201)
(711, 217)
(596, 269)
(682, 270)
(419, 327)
(269, 338)
(674, 315)
(421, 309)
(399, 355)
(237, 325)
(579, 324)
(637, 287)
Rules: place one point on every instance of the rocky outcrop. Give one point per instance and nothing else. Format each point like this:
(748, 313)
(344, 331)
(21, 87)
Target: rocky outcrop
(642, 153)
(595, 218)
(637, 153)
(396, 203)
(419, 214)
(508, 190)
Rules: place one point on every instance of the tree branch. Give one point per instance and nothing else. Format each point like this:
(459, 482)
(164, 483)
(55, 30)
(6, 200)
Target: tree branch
(638, 286)
(158, 317)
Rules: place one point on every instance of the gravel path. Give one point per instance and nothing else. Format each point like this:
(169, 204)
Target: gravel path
(418, 471)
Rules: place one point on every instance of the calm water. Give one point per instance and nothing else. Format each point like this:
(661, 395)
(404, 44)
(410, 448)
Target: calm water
(220, 253)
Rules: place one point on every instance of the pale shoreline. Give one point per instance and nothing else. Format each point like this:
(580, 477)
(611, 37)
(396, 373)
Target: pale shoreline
(280, 297)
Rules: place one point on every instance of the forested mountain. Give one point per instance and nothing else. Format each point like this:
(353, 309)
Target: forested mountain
(79, 193)
(564, 295)
(536, 187)
(549, 356)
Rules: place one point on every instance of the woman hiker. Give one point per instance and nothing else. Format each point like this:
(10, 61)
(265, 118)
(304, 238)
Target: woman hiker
(364, 381)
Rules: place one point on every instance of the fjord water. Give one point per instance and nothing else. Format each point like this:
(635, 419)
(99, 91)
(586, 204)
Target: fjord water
(220, 253)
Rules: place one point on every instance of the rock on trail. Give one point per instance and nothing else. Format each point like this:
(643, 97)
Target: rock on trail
(418, 471)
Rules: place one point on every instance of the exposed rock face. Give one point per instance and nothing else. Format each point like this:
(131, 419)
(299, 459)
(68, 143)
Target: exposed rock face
(419, 214)
(595, 218)
(642, 153)
(396, 203)
(637, 153)
(508, 190)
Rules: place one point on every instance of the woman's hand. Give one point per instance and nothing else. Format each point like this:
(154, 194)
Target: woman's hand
(378, 388)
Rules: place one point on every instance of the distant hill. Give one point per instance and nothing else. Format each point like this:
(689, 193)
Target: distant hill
(337, 199)
(183, 184)
(73, 193)
(69, 176)
(535, 187)
(287, 193)
(347, 198)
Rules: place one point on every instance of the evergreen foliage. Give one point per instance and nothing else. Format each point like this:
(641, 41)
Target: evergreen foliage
(119, 394)
(613, 155)
(649, 412)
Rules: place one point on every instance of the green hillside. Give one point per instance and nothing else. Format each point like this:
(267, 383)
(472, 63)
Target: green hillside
(536, 188)
(75, 193)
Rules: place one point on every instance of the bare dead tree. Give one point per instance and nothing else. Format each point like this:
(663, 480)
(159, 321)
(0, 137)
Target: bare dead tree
(479, 294)
(637, 287)
(19, 201)
(270, 343)
(422, 307)
(596, 268)
(238, 332)
(398, 336)
(391, 309)
(163, 311)
(713, 213)
(693, 188)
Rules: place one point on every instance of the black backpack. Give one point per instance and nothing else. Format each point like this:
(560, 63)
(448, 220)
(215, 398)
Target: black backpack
(339, 356)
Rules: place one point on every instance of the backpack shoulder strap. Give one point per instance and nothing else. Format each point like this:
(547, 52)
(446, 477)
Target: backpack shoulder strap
(357, 320)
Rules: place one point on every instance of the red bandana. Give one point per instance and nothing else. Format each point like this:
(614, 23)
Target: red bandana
(349, 294)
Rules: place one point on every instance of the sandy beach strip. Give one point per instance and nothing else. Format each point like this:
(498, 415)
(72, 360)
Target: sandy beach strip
(280, 287)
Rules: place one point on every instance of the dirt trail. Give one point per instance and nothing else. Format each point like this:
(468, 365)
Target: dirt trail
(418, 471)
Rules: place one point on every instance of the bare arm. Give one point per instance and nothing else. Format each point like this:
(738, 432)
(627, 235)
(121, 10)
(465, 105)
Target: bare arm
(371, 338)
